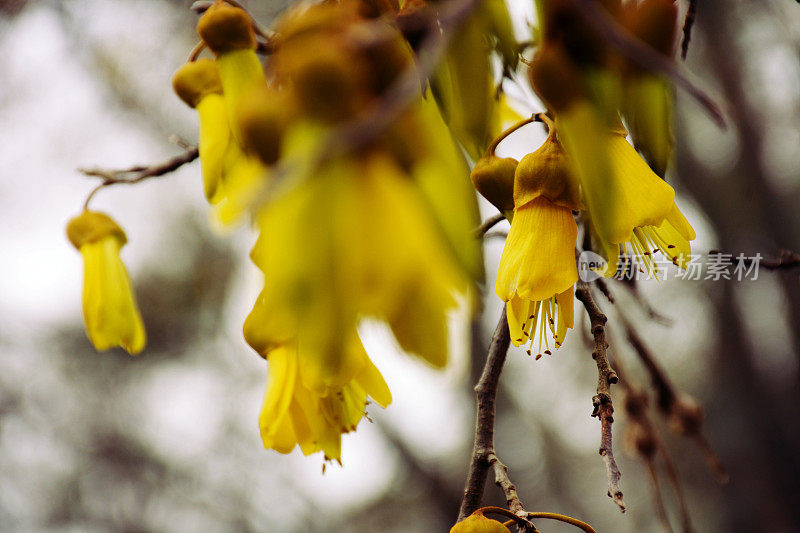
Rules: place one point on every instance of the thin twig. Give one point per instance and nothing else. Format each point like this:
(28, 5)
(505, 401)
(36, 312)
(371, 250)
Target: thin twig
(137, 173)
(684, 413)
(603, 406)
(688, 24)
(488, 224)
(483, 444)
(644, 56)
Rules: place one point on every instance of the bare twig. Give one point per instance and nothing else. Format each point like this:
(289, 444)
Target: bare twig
(603, 406)
(683, 411)
(137, 173)
(644, 56)
(488, 224)
(688, 24)
(483, 455)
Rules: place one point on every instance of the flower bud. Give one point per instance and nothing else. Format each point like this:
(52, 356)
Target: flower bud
(262, 120)
(195, 80)
(655, 23)
(326, 79)
(91, 226)
(555, 78)
(493, 177)
(224, 27)
(477, 523)
(546, 172)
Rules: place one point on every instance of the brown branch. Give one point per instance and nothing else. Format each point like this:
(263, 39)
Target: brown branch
(135, 174)
(502, 480)
(483, 455)
(688, 24)
(644, 56)
(649, 443)
(684, 413)
(488, 224)
(603, 406)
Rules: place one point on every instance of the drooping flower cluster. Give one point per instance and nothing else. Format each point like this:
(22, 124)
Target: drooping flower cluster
(586, 165)
(384, 231)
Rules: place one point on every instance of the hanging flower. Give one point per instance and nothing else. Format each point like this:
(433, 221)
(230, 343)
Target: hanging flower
(110, 313)
(198, 85)
(537, 269)
(294, 415)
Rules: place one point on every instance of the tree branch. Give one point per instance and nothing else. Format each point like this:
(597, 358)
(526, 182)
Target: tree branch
(137, 173)
(603, 406)
(483, 455)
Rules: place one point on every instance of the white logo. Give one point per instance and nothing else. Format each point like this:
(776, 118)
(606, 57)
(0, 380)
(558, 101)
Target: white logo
(591, 266)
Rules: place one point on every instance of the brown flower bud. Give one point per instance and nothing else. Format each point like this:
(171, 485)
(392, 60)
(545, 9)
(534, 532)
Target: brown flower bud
(493, 177)
(655, 22)
(195, 80)
(547, 172)
(555, 78)
(262, 120)
(91, 226)
(224, 27)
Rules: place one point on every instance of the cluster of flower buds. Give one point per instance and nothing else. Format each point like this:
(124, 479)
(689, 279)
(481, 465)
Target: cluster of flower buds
(383, 230)
(586, 165)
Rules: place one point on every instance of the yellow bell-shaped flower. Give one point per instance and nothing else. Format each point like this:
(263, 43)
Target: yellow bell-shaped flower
(537, 269)
(110, 313)
(293, 415)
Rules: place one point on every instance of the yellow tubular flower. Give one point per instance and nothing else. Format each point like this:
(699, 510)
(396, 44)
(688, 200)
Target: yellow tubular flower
(293, 415)
(477, 523)
(537, 269)
(110, 313)
(228, 32)
(198, 85)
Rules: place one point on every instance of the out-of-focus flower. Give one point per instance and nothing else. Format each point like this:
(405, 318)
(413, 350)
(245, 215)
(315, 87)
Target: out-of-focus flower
(354, 241)
(294, 415)
(110, 313)
(198, 85)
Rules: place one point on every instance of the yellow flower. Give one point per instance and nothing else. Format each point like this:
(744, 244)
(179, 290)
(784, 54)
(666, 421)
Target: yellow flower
(294, 415)
(344, 245)
(537, 269)
(228, 32)
(110, 312)
(477, 523)
(198, 85)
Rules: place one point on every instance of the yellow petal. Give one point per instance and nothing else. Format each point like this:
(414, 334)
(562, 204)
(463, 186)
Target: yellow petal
(371, 380)
(620, 190)
(648, 111)
(538, 260)
(214, 139)
(280, 390)
(110, 312)
(239, 70)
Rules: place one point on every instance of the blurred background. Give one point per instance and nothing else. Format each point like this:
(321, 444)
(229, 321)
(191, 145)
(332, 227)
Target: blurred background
(169, 441)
